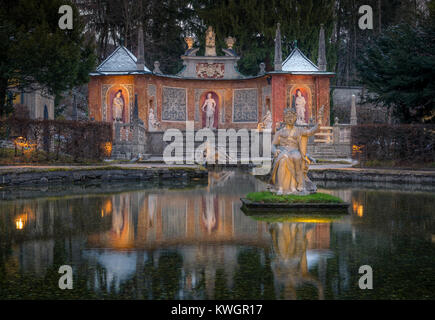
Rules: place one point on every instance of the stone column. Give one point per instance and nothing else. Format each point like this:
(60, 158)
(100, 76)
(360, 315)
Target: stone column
(140, 63)
(353, 117)
(278, 50)
(321, 62)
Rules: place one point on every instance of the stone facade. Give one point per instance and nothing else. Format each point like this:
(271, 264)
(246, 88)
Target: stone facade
(242, 102)
(209, 90)
(36, 102)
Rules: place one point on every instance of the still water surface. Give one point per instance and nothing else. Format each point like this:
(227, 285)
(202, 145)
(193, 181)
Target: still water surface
(141, 241)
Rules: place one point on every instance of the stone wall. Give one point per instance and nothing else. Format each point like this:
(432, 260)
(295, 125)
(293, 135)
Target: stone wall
(169, 94)
(398, 177)
(35, 102)
(107, 174)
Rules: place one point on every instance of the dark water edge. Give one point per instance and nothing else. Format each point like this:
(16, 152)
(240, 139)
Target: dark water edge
(178, 241)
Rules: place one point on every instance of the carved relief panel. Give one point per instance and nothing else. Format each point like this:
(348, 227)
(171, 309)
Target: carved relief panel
(245, 105)
(174, 102)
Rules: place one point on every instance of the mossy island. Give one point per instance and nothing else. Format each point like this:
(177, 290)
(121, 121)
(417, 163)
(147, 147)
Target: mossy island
(270, 203)
(269, 197)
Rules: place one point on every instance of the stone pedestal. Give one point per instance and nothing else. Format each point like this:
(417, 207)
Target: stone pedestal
(129, 141)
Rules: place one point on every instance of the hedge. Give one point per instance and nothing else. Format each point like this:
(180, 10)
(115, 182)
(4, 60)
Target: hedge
(407, 144)
(78, 139)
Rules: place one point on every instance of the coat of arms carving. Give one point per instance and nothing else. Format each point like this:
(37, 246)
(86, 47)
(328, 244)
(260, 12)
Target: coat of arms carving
(210, 70)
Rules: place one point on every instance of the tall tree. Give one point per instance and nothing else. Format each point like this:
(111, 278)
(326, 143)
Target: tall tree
(253, 23)
(398, 67)
(36, 54)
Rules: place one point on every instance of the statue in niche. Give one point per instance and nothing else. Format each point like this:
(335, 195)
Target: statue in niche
(210, 42)
(118, 106)
(267, 122)
(300, 103)
(290, 163)
(209, 107)
(153, 124)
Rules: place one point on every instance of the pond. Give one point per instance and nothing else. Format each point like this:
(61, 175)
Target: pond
(192, 241)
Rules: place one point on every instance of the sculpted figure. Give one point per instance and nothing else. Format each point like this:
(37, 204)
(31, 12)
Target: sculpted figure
(266, 123)
(189, 42)
(290, 163)
(118, 106)
(267, 120)
(300, 104)
(209, 108)
(210, 42)
(153, 124)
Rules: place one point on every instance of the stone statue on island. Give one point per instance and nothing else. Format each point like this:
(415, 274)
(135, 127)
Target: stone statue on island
(209, 107)
(210, 42)
(290, 163)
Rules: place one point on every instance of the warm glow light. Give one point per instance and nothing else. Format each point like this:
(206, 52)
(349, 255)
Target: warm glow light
(314, 220)
(19, 224)
(108, 207)
(20, 221)
(355, 206)
(356, 148)
(102, 213)
(107, 149)
(360, 211)
(23, 143)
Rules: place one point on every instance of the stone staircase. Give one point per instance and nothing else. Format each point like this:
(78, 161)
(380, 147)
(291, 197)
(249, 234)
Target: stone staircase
(154, 147)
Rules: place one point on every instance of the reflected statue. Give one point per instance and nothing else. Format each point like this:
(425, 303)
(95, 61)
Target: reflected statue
(290, 163)
(290, 265)
(209, 214)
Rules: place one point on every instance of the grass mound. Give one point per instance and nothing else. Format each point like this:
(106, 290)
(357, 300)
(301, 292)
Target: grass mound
(269, 197)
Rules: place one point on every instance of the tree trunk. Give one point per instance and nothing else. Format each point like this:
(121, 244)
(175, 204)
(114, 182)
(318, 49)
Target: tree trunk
(380, 15)
(3, 93)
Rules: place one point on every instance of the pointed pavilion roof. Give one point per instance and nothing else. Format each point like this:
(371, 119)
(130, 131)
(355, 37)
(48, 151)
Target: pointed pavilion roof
(298, 62)
(120, 61)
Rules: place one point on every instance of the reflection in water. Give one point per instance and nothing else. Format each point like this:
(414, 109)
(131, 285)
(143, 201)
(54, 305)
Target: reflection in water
(197, 244)
(290, 266)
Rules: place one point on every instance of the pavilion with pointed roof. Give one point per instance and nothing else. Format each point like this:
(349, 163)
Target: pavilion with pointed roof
(122, 82)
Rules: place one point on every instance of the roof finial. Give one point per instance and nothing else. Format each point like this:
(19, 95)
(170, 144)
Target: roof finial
(278, 50)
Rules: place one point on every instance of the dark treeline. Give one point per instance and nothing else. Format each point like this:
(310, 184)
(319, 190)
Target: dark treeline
(252, 22)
